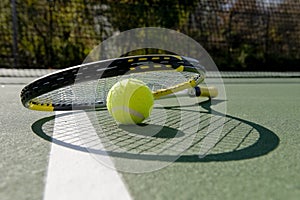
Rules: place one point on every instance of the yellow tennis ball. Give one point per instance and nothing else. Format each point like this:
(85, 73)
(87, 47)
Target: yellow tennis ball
(130, 101)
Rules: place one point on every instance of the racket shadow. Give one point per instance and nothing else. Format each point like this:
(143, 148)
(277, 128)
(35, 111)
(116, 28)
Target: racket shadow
(264, 142)
(267, 141)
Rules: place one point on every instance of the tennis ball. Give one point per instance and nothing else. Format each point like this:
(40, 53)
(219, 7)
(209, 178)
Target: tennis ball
(130, 101)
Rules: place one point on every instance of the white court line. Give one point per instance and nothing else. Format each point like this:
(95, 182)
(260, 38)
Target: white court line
(74, 174)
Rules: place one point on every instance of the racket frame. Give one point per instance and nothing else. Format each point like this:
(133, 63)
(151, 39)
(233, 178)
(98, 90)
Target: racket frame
(111, 68)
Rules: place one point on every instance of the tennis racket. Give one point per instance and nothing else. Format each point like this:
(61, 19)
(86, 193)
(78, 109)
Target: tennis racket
(86, 86)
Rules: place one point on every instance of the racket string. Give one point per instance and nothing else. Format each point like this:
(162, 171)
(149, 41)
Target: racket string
(93, 93)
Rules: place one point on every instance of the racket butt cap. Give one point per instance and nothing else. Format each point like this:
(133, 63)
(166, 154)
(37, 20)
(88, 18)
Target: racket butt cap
(211, 92)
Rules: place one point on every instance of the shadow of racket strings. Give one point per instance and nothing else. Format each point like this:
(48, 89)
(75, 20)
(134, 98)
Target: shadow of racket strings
(239, 139)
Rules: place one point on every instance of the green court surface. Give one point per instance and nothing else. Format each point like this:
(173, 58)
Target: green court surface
(257, 156)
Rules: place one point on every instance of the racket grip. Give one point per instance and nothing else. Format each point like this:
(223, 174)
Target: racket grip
(206, 91)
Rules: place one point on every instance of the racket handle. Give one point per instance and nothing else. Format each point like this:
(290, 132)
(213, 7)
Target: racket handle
(204, 91)
(198, 91)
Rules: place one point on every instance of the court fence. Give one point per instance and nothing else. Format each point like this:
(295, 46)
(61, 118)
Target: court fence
(238, 34)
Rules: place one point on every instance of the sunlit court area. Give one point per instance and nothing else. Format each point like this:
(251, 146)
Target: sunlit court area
(149, 99)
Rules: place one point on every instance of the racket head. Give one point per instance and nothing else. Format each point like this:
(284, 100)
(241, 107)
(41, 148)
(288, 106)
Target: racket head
(86, 86)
